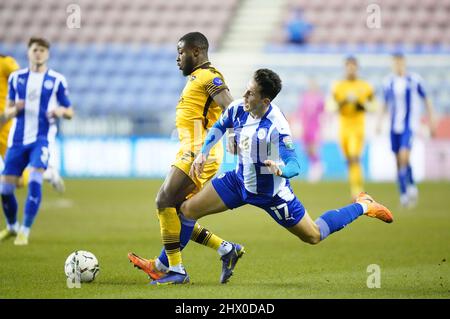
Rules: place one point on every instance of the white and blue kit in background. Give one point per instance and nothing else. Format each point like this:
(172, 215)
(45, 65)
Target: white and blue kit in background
(32, 130)
(404, 96)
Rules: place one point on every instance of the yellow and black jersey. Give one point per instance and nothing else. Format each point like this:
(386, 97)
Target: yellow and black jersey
(196, 113)
(196, 102)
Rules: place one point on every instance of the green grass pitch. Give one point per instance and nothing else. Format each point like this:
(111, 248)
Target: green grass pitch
(113, 217)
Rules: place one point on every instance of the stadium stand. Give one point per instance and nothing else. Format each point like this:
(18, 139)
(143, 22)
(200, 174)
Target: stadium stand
(410, 22)
(121, 62)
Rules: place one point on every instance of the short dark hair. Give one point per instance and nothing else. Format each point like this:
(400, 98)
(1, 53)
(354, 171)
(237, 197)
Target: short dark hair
(40, 41)
(398, 54)
(195, 39)
(269, 83)
(351, 58)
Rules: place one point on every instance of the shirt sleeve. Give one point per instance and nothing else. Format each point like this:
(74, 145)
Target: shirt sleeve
(215, 84)
(62, 94)
(386, 89)
(226, 119)
(286, 152)
(289, 157)
(218, 130)
(11, 88)
(421, 89)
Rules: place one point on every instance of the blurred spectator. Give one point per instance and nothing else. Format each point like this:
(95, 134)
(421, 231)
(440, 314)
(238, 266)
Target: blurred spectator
(297, 28)
(310, 110)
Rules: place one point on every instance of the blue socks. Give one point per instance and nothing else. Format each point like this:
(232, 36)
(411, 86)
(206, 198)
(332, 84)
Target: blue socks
(410, 178)
(187, 226)
(403, 179)
(33, 199)
(335, 220)
(9, 202)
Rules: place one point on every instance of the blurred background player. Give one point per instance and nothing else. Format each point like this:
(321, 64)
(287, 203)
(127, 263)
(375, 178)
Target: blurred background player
(203, 99)
(7, 65)
(352, 96)
(309, 112)
(404, 95)
(36, 97)
(261, 178)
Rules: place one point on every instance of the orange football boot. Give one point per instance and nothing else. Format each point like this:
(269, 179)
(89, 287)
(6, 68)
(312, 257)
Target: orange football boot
(374, 209)
(146, 265)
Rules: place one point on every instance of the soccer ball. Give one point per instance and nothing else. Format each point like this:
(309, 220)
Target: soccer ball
(81, 265)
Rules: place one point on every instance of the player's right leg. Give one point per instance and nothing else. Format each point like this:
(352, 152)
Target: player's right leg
(9, 204)
(16, 160)
(172, 193)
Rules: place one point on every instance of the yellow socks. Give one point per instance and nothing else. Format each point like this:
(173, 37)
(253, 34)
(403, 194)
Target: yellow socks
(170, 226)
(356, 178)
(204, 237)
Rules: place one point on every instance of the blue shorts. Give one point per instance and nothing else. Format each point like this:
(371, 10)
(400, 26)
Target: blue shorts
(401, 141)
(20, 156)
(286, 210)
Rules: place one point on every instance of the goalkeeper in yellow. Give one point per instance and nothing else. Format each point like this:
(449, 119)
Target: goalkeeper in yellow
(353, 97)
(202, 101)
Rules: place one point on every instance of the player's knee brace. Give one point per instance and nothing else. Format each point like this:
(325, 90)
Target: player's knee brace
(7, 188)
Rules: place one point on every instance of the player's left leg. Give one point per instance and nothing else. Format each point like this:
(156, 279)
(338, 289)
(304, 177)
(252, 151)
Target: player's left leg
(32, 204)
(313, 232)
(408, 190)
(38, 163)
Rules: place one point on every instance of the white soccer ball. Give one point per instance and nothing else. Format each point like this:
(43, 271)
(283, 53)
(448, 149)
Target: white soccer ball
(81, 265)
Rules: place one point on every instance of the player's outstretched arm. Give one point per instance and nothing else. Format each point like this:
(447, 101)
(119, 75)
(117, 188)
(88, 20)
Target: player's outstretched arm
(214, 135)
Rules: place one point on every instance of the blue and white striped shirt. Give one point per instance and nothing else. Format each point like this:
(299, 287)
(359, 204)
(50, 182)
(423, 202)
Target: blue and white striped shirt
(404, 97)
(41, 93)
(259, 139)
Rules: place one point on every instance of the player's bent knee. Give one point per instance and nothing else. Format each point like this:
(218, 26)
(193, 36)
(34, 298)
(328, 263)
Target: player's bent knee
(313, 240)
(162, 200)
(187, 211)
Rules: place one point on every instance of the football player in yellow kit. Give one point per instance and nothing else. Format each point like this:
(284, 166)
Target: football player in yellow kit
(7, 66)
(352, 96)
(202, 101)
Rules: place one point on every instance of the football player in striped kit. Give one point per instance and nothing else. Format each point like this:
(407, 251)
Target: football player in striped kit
(404, 96)
(37, 96)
